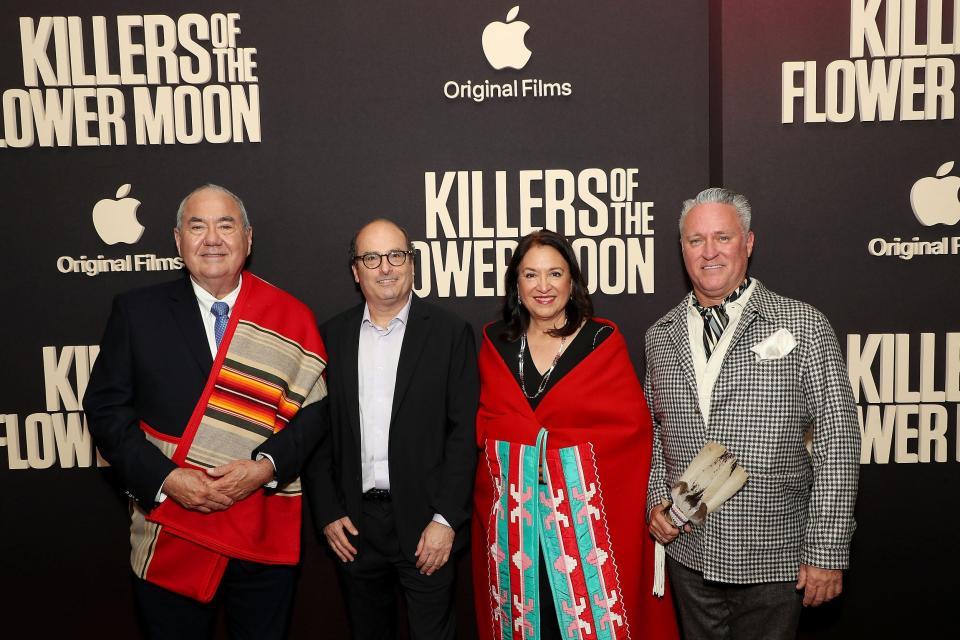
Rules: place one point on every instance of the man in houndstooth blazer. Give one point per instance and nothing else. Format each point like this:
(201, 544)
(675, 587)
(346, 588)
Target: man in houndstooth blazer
(770, 378)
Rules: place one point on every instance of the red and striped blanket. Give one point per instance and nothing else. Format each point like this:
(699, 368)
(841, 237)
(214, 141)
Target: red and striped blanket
(269, 366)
(566, 482)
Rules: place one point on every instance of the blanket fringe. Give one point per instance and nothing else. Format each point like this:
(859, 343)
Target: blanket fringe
(659, 570)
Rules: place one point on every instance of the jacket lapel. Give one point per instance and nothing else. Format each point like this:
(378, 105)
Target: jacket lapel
(349, 369)
(758, 305)
(414, 340)
(676, 328)
(186, 315)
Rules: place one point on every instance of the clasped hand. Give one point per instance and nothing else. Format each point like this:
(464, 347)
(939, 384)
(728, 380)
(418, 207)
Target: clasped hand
(218, 488)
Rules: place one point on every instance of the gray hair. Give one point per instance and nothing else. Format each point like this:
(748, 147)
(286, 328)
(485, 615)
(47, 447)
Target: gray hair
(719, 195)
(243, 210)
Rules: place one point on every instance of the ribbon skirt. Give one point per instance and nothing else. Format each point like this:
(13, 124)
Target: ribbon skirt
(550, 501)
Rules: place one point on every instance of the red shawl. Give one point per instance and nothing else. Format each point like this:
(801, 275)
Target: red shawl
(597, 413)
(268, 367)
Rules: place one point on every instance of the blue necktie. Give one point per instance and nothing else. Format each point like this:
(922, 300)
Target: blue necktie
(222, 312)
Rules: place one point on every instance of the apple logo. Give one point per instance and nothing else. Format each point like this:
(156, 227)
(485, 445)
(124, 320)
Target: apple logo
(935, 200)
(503, 42)
(116, 220)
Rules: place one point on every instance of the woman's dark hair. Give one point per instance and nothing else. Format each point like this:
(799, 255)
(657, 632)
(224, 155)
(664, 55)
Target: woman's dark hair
(579, 308)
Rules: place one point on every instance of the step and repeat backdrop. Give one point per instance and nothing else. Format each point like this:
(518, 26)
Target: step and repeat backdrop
(471, 124)
(840, 121)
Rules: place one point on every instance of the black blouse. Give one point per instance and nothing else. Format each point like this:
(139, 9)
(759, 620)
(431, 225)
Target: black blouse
(592, 334)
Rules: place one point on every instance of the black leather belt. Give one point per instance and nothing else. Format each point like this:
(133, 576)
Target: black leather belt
(383, 495)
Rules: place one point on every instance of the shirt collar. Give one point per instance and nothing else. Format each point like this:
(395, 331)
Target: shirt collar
(740, 302)
(206, 299)
(739, 295)
(401, 317)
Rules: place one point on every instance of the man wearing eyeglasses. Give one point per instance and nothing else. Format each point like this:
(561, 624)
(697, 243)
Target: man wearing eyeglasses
(391, 486)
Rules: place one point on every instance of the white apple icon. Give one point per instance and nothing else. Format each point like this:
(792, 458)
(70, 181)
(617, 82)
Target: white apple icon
(503, 42)
(935, 200)
(116, 220)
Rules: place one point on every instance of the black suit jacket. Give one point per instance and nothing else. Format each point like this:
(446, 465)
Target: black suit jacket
(153, 364)
(432, 450)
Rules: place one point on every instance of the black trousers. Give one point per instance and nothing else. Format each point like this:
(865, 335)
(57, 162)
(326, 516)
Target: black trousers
(721, 611)
(370, 584)
(549, 625)
(256, 598)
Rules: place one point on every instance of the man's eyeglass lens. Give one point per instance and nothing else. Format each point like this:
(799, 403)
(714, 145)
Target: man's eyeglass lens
(372, 260)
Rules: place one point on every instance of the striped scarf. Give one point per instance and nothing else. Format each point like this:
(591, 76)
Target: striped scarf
(715, 318)
(269, 366)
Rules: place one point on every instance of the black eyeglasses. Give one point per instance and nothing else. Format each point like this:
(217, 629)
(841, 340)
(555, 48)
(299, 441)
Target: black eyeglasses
(372, 260)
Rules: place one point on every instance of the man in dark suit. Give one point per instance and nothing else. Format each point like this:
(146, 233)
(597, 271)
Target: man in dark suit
(391, 487)
(151, 409)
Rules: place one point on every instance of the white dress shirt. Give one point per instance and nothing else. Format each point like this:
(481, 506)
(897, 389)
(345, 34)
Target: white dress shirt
(377, 359)
(707, 371)
(378, 356)
(205, 300)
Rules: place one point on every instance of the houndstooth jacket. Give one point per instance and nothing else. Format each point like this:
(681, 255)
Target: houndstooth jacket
(796, 507)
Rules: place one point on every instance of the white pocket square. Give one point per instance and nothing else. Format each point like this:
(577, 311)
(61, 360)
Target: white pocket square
(775, 346)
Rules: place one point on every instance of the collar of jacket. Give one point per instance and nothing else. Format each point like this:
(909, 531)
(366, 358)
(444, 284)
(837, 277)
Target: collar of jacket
(762, 303)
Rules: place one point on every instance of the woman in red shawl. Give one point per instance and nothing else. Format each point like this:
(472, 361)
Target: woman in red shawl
(560, 546)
